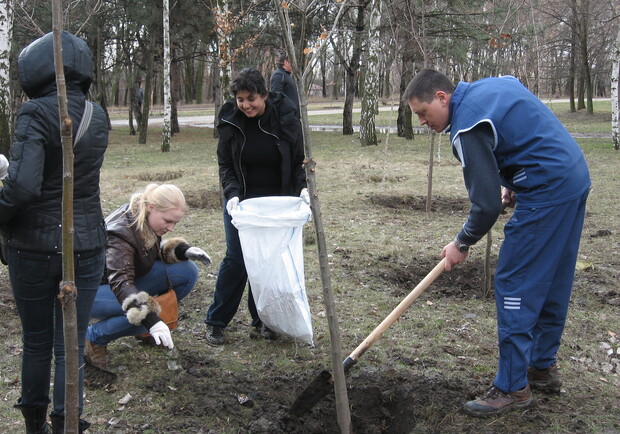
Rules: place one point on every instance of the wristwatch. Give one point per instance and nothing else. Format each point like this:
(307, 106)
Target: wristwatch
(461, 246)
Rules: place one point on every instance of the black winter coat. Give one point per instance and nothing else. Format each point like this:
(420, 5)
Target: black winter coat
(31, 197)
(281, 81)
(281, 119)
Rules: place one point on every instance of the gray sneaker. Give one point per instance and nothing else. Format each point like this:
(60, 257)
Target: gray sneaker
(263, 332)
(267, 333)
(215, 335)
(545, 380)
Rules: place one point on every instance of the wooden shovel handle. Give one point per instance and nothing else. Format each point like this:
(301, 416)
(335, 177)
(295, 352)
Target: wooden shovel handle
(398, 311)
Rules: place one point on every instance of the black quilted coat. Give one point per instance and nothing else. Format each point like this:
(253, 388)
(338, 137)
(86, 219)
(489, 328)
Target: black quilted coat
(30, 199)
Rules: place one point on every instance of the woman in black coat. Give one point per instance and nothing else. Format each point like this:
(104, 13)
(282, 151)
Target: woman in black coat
(31, 220)
(260, 153)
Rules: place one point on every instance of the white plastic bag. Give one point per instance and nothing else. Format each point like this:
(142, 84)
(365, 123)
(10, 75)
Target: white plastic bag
(270, 231)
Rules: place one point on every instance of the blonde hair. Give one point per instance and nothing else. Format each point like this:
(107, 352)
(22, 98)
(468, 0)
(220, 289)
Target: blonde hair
(163, 198)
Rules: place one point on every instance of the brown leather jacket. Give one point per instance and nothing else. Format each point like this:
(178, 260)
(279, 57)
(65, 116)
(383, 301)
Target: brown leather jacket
(128, 258)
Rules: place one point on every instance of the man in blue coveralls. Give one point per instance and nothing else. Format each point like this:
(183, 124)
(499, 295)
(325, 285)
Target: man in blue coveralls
(514, 151)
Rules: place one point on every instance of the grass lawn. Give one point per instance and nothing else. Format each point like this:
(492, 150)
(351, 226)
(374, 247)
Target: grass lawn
(381, 242)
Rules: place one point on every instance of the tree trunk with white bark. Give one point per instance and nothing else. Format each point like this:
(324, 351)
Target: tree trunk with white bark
(165, 145)
(615, 95)
(6, 27)
(370, 104)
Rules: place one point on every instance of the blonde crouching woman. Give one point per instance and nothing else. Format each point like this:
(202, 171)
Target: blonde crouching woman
(139, 266)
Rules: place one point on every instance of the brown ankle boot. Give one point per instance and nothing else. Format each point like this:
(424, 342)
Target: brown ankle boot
(96, 355)
(546, 380)
(496, 401)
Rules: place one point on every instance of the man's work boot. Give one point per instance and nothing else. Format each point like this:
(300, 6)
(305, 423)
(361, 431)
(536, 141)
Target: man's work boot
(546, 380)
(96, 355)
(215, 335)
(495, 401)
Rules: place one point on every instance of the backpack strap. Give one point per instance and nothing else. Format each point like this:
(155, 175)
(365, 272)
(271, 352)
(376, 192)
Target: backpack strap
(85, 122)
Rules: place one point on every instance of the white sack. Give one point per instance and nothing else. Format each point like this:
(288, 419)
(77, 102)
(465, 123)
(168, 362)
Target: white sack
(270, 231)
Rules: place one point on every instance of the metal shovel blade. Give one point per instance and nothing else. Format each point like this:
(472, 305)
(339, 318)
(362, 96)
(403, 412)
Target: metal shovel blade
(311, 395)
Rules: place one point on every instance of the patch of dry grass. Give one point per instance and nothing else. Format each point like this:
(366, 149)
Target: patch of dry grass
(381, 243)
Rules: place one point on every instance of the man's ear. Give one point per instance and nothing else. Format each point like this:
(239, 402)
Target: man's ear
(443, 97)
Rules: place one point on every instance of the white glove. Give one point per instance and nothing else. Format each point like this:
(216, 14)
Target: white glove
(305, 195)
(161, 334)
(232, 204)
(4, 167)
(197, 254)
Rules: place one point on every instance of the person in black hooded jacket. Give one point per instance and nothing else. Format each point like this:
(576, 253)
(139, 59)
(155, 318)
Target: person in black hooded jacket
(260, 153)
(31, 220)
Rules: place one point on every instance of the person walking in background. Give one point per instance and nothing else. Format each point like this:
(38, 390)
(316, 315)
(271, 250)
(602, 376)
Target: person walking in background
(514, 151)
(31, 220)
(281, 80)
(138, 99)
(260, 153)
(140, 266)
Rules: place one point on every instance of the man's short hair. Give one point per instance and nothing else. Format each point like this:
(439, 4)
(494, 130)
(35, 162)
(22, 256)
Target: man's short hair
(426, 84)
(282, 58)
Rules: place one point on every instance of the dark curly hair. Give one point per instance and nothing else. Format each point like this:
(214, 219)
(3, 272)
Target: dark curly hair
(251, 80)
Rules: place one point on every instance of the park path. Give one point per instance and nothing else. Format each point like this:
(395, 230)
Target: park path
(206, 121)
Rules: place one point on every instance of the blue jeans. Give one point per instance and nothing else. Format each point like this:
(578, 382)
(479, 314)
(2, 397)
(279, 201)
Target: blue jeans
(35, 278)
(231, 281)
(113, 322)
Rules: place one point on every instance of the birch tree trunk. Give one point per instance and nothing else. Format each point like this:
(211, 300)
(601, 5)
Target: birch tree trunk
(6, 30)
(370, 105)
(615, 95)
(165, 145)
(68, 291)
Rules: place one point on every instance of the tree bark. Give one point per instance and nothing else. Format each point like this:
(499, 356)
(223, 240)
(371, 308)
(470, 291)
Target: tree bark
(615, 95)
(429, 185)
(352, 71)
(223, 29)
(585, 59)
(370, 107)
(404, 124)
(148, 84)
(342, 401)
(165, 145)
(6, 101)
(573, 49)
(68, 291)
(175, 93)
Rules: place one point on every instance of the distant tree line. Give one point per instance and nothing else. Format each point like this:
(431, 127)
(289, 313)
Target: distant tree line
(557, 48)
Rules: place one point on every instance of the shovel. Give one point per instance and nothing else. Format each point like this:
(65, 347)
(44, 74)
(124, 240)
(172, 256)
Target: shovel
(324, 382)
